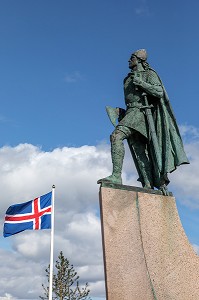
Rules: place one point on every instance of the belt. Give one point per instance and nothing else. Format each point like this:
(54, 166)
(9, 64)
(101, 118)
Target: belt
(132, 105)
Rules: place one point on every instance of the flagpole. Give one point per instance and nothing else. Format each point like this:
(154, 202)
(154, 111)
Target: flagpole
(52, 245)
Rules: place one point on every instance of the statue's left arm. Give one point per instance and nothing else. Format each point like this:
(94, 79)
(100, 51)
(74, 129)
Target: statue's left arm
(150, 83)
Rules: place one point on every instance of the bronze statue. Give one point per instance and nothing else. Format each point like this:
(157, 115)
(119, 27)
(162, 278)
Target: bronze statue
(149, 125)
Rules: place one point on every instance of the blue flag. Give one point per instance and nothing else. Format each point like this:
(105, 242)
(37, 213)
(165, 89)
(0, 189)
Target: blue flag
(31, 215)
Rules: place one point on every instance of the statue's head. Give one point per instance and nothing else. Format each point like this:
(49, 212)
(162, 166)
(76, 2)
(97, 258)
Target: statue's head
(139, 56)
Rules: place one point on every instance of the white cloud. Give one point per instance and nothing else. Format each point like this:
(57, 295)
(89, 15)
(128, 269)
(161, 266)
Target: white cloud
(98, 287)
(143, 8)
(7, 297)
(185, 180)
(28, 172)
(73, 77)
(19, 276)
(189, 131)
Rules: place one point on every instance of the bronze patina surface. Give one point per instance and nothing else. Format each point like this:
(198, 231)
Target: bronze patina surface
(149, 126)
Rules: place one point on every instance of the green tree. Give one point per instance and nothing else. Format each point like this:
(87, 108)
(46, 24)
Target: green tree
(65, 282)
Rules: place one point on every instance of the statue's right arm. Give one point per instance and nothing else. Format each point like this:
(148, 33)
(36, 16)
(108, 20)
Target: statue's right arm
(152, 86)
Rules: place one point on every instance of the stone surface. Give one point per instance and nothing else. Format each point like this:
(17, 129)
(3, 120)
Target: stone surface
(146, 252)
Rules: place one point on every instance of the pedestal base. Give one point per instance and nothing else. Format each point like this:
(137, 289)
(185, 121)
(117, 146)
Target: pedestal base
(147, 255)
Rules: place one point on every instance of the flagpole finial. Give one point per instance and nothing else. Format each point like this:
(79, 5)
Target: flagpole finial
(53, 186)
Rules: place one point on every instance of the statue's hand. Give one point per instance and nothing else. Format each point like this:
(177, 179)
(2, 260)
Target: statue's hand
(137, 80)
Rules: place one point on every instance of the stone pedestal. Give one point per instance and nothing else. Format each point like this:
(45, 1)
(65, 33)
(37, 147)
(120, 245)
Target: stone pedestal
(147, 255)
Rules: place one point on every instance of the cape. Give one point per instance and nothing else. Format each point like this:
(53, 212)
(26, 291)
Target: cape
(169, 138)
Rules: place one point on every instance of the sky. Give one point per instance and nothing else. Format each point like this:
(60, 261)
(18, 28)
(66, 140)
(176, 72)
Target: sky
(61, 63)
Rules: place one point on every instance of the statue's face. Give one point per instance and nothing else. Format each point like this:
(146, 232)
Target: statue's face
(133, 62)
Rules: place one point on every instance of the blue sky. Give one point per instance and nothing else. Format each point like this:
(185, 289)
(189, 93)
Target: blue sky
(61, 63)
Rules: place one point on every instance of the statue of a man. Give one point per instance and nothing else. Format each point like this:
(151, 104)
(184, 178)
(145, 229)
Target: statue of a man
(149, 126)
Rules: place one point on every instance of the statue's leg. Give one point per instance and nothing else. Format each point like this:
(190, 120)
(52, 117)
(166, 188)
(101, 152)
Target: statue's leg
(117, 151)
(143, 162)
(117, 154)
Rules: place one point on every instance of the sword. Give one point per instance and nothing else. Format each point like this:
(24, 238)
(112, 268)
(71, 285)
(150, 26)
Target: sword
(152, 133)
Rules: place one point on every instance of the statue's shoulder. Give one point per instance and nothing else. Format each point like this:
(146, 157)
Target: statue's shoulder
(151, 71)
(125, 79)
(152, 76)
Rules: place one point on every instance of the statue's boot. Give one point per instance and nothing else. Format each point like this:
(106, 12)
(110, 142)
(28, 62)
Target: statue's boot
(117, 153)
(143, 164)
(146, 178)
(164, 181)
(113, 178)
(163, 188)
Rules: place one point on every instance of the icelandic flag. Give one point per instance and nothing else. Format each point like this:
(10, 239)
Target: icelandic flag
(31, 215)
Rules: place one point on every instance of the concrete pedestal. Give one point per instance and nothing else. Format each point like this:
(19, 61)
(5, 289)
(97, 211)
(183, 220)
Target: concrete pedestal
(147, 255)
